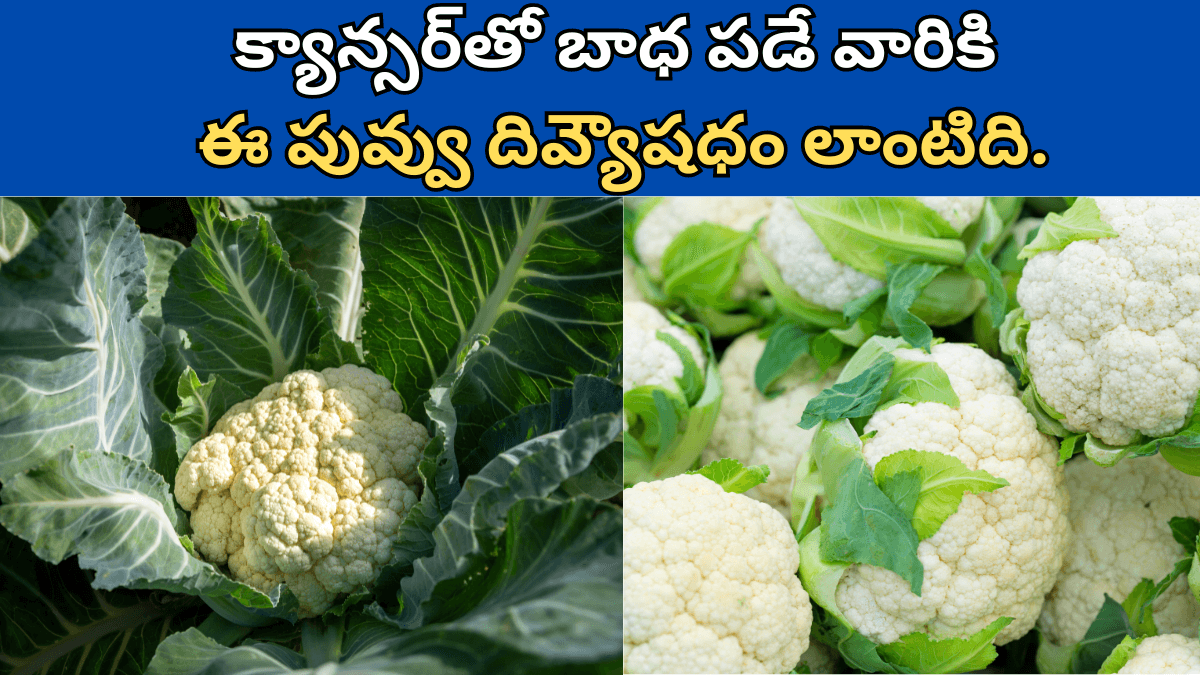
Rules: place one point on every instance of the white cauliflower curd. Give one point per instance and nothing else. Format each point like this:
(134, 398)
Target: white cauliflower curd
(648, 360)
(811, 270)
(1114, 336)
(306, 484)
(671, 216)
(1120, 535)
(1165, 654)
(1000, 553)
(756, 430)
(710, 582)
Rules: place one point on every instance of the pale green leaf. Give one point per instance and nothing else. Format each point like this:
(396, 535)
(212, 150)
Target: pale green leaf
(1120, 655)
(76, 363)
(1079, 223)
(732, 476)
(867, 233)
(922, 654)
(114, 513)
(942, 480)
(17, 229)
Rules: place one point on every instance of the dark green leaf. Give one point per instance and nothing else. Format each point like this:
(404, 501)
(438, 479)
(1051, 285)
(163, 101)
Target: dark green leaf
(466, 538)
(860, 524)
(997, 295)
(785, 345)
(52, 620)
(1185, 531)
(201, 405)
(904, 285)
(539, 278)
(250, 317)
(1108, 629)
(856, 397)
(320, 235)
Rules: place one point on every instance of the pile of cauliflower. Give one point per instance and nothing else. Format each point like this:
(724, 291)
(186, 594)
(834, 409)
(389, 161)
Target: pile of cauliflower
(306, 484)
(1109, 293)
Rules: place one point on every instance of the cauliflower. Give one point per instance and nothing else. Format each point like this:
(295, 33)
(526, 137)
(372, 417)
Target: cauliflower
(1119, 519)
(755, 430)
(306, 484)
(670, 217)
(1165, 654)
(710, 582)
(811, 270)
(1114, 335)
(805, 264)
(651, 361)
(1001, 551)
(657, 373)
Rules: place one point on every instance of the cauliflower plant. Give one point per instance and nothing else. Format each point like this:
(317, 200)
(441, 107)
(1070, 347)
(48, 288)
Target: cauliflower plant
(665, 364)
(1164, 654)
(756, 430)
(1113, 340)
(667, 219)
(305, 484)
(1119, 519)
(710, 582)
(1000, 552)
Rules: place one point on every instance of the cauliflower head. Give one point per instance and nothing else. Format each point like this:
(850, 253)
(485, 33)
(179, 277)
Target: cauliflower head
(1000, 553)
(756, 430)
(1114, 336)
(650, 361)
(710, 582)
(305, 484)
(1165, 654)
(808, 267)
(671, 216)
(1120, 534)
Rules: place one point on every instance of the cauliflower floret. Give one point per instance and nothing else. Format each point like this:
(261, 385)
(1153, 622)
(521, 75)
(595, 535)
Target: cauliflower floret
(305, 484)
(1114, 336)
(805, 264)
(1001, 551)
(1119, 522)
(650, 361)
(671, 216)
(1165, 654)
(710, 582)
(756, 430)
(958, 211)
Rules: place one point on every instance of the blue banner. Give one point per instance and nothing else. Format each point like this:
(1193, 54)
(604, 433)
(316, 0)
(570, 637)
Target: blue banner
(505, 98)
